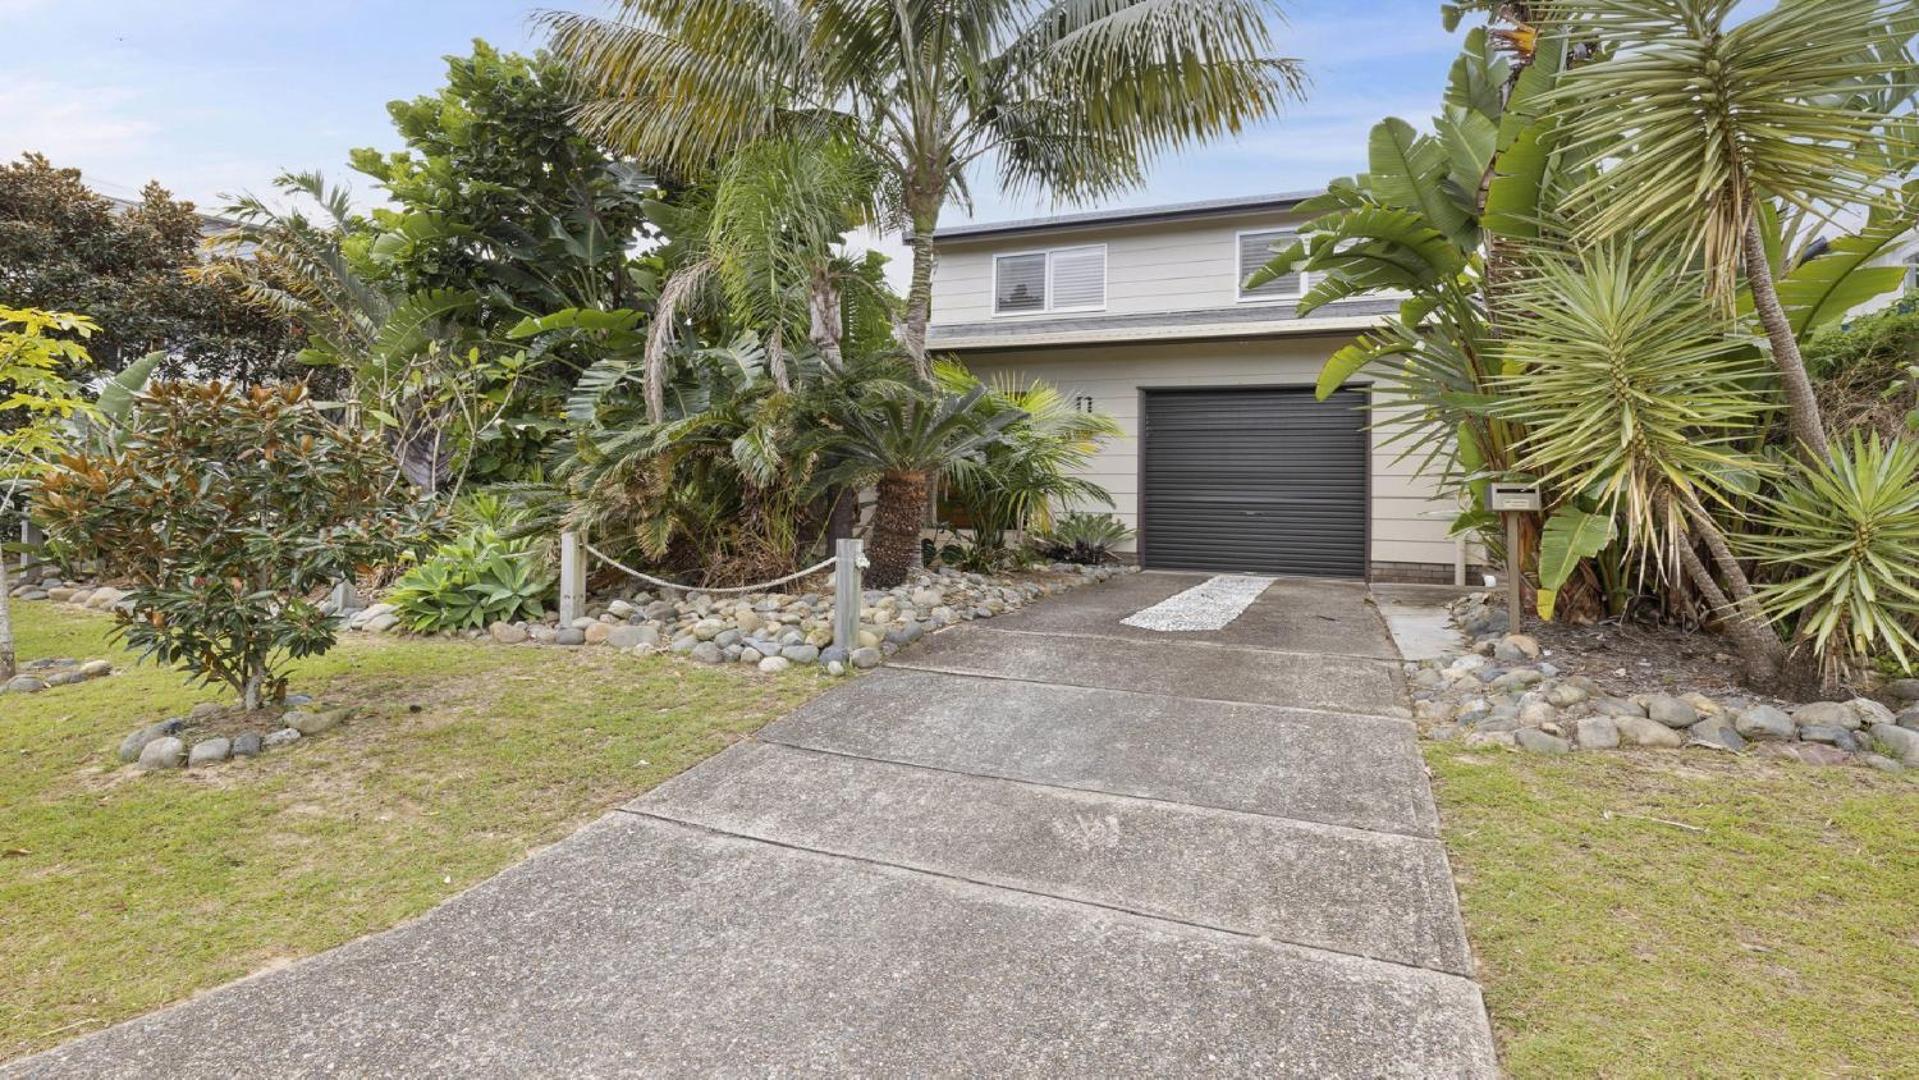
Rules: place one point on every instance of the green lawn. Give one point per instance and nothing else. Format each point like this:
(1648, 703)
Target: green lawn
(120, 893)
(1662, 915)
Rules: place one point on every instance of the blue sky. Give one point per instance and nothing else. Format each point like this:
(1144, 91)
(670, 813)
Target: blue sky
(217, 96)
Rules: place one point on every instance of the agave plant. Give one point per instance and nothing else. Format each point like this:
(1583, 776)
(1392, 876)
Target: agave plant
(1846, 535)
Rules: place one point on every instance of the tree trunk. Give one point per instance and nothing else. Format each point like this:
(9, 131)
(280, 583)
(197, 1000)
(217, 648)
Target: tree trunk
(1760, 651)
(825, 331)
(845, 515)
(7, 661)
(1808, 427)
(896, 528)
(919, 296)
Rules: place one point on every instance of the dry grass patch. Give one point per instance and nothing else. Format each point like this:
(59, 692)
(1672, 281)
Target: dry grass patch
(120, 893)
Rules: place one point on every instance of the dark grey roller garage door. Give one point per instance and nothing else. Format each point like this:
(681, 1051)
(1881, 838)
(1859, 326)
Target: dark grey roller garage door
(1264, 481)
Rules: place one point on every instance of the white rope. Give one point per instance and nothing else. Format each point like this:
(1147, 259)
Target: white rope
(761, 587)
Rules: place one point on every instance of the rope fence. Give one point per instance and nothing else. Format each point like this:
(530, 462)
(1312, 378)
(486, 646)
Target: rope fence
(848, 559)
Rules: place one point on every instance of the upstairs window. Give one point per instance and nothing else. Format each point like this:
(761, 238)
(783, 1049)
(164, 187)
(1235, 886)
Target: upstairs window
(1068, 279)
(1256, 249)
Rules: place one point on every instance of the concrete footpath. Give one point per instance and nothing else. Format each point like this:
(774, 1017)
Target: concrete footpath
(1058, 845)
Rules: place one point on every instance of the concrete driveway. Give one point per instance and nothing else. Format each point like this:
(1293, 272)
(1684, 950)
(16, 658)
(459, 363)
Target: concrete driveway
(1052, 844)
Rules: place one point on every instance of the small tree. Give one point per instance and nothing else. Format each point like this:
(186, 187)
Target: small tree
(33, 386)
(228, 507)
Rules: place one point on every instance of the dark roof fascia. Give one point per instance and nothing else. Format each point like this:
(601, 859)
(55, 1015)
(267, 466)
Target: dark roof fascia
(1130, 216)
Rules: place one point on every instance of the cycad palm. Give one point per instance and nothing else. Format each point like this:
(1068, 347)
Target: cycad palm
(901, 441)
(1071, 96)
(1705, 114)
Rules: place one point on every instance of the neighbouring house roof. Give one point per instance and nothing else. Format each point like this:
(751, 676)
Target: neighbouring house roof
(1131, 215)
(210, 224)
(1261, 320)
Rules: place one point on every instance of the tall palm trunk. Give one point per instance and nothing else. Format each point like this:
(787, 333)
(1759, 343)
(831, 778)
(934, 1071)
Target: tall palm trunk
(896, 527)
(919, 295)
(1808, 427)
(823, 315)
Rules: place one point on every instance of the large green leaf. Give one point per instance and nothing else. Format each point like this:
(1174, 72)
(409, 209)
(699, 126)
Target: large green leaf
(1353, 358)
(1823, 289)
(1570, 535)
(116, 397)
(1478, 77)
(1519, 176)
(1365, 251)
(1532, 93)
(1407, 170)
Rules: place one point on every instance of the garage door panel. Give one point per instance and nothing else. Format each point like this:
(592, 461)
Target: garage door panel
(1256, 480)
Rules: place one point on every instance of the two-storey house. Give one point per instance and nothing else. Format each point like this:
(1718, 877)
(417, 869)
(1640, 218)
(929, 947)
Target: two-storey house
(1228, 461)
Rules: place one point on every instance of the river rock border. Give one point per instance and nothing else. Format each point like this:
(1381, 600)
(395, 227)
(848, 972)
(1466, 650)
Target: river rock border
(35, 676)
(172, 743)
(1504, 692)
(776, 631)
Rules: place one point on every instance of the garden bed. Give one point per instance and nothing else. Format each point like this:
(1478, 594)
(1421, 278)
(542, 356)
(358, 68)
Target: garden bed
(1602, 689)
(775, 630)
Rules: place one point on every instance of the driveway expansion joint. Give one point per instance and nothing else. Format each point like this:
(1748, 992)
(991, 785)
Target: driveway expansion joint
(990, 886)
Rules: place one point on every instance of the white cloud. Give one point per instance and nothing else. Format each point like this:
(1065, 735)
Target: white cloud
(69, 123)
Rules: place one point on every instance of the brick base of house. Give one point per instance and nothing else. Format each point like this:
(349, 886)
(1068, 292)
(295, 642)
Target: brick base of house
(1413, 573)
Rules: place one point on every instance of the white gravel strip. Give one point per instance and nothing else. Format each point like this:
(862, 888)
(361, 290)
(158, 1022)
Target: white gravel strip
(1210, 605)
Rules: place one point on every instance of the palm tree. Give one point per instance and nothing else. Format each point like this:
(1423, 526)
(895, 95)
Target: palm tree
(1706, 114)
(901, 440)
(1019, 480)
(761, 242)
(1070, 97)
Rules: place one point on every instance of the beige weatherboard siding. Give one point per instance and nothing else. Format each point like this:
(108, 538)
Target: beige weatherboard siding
(1170, 312)
(1408, 521)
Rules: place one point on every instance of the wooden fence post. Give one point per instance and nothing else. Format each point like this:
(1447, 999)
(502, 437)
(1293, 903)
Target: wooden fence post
(572, 577)
(846, 593)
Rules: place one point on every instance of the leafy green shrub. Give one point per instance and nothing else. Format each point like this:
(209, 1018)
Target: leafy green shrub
(1085, 539)
(1013, 483)
(480, 576)
(228, 507)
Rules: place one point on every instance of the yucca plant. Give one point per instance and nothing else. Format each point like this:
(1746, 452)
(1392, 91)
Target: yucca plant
(1706, 109)
(1636, 399)
(1845, 534)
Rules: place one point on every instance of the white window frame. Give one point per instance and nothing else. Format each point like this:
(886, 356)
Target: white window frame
(1048, 308)
(1240, 296)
